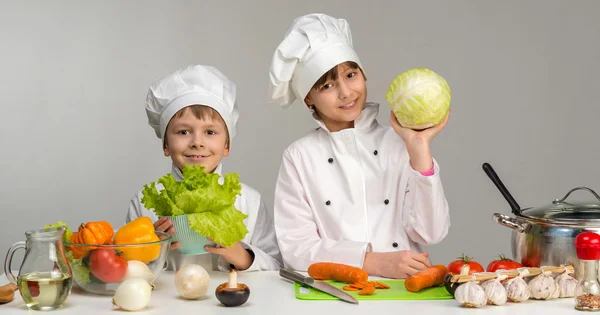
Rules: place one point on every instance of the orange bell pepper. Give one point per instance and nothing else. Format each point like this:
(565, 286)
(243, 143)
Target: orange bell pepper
(140, 230)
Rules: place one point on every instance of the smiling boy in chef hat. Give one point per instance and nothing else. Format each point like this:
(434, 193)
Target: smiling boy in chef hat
(352, 191)
(194, 112)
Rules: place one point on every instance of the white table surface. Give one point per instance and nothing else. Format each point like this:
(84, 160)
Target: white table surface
(270, 294)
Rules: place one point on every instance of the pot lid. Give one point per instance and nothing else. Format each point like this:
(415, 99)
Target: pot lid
(567, 211)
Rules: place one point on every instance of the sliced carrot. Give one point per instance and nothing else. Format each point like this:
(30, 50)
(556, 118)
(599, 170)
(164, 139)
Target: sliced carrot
(349, 288)
(369, 290)
(380, 285)
(357, 286)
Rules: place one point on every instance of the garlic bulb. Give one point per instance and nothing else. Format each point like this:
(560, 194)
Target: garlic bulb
(556, 293)
(470, 294)
(566, 285)
(495, 292)
(517, 289)
(543, 287)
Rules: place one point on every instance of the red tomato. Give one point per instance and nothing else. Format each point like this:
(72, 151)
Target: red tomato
(531, 261)
(107, 266)
(34, 288)
(455, 266)
(503, 263)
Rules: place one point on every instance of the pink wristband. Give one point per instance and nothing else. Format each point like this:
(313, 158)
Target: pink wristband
(428, 173)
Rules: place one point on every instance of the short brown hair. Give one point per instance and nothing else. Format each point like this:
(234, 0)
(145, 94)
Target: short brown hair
(201, 112)
(333, 74)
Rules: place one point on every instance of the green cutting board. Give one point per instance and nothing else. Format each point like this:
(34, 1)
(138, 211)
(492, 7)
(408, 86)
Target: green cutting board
(397, 291)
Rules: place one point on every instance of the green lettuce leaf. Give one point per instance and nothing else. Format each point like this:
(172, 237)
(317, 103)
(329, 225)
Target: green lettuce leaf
(208, 204)
(162, 203)
(225, 228)
(66, 235)
(81, 273)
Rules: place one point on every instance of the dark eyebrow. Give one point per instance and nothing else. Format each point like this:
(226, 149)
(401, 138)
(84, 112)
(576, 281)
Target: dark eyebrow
(349, 68)
(181, 125)
(214, 125)
(208, 123)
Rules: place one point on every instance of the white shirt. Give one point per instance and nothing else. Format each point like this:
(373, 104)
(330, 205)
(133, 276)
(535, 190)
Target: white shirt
(341, 194)
(260, 238)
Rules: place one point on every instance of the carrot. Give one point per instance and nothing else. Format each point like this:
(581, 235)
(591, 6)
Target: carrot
(349, 288)
(368, 290)
(337, 272)
(380, 285)
(357, 285)
(429, 277)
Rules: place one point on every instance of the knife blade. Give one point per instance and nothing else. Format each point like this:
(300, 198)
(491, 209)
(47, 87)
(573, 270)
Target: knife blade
(321, 286)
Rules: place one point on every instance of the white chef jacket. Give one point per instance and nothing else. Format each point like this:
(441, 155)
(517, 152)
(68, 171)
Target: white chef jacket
(260, 238)
(341, 194)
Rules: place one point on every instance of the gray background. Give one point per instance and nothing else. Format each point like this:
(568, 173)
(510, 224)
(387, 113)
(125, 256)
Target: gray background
(74, 75)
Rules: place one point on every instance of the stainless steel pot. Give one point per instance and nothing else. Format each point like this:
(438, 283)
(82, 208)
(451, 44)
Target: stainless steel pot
(545, 235)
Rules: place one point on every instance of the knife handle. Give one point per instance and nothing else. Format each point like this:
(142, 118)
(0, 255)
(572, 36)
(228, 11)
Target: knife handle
(294, 276)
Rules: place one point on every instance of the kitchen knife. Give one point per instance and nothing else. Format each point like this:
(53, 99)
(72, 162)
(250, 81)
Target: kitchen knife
(321, 286)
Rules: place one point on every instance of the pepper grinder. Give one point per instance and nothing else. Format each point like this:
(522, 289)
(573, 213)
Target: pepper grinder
(587, 292)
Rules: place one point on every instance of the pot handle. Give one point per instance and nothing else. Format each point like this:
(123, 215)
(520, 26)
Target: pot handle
(574, 189)
(489, 170)
(508, 222)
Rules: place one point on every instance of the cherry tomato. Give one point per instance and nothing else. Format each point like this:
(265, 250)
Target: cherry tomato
(107, 266)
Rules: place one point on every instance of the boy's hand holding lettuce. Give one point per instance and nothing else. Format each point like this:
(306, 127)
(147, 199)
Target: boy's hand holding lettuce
(208, 204)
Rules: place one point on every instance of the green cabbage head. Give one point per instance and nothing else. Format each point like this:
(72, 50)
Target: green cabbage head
(420, 98)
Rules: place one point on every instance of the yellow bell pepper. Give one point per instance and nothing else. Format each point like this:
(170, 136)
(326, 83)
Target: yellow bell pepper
(140, 230)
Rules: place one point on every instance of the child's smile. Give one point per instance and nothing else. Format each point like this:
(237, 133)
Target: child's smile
(349, 106)
(197, 157)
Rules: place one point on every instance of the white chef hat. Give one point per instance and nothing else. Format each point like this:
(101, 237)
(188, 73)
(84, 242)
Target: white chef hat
(193, 85)
(312, 46)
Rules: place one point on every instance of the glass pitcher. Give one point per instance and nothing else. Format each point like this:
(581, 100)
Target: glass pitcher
(45, 278)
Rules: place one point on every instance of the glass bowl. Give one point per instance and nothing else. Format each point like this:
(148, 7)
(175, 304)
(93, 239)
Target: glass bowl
(108, 260)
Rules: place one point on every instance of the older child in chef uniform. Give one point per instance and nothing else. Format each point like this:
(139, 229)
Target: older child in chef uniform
(194, 111)
(352, 191)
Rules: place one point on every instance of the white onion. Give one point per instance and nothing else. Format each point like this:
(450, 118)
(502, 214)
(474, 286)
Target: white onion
(192, 281)
(133, 294)
(138, 269)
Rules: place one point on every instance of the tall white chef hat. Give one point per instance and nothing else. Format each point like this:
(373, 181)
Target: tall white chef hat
(193, 85)
(312, 46)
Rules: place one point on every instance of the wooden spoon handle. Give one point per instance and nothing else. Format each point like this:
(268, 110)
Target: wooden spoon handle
(7, 292)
